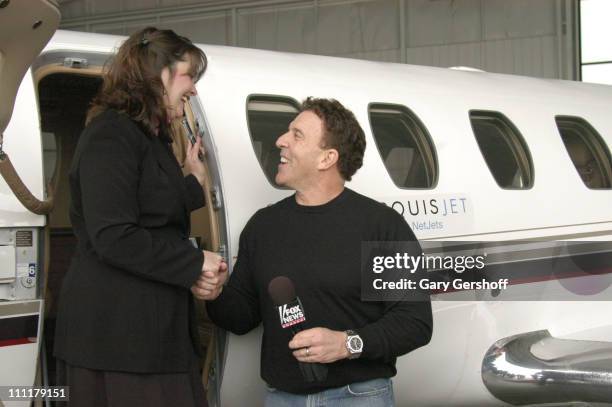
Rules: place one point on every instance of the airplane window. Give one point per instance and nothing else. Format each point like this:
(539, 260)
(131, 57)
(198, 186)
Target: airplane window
(268, 118)
(587, 150)
(404, 146)
(503, 149)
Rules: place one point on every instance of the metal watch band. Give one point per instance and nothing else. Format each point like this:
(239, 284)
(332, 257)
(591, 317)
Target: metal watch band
(353, 353)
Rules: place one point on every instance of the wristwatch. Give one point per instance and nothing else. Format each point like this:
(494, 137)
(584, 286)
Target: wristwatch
(354, 344)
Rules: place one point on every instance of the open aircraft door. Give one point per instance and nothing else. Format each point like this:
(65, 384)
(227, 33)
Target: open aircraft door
(25, 28)
(209, 228)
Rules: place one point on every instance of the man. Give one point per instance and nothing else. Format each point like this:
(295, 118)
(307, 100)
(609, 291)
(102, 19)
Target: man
(314, 237)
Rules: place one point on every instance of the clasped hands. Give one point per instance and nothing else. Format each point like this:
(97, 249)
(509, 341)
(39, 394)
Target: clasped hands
(214, 273)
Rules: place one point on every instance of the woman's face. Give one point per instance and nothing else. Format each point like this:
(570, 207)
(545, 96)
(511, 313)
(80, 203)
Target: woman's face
(179, 86)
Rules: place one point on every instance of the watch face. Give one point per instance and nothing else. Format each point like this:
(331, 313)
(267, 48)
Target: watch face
(355, 344)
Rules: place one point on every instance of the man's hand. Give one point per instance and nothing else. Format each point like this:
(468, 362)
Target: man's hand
(212, 262)
(214, 275)
(319, 345)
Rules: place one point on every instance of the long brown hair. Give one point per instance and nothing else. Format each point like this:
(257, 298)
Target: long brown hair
(132, 79)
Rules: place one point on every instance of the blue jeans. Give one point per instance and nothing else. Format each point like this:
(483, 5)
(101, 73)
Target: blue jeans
(373, 393)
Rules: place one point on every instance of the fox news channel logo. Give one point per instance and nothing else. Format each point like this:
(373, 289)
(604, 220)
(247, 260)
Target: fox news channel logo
(291, 314)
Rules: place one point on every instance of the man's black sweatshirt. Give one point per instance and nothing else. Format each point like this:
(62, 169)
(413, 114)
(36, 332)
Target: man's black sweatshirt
(319, 249)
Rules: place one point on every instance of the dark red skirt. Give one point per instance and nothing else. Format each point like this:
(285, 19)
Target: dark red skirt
(99, 388)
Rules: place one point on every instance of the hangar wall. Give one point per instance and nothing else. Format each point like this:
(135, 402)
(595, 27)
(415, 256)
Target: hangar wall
(534, 38)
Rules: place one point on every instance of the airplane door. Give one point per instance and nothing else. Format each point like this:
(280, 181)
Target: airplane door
(27, 26)
(209, 225)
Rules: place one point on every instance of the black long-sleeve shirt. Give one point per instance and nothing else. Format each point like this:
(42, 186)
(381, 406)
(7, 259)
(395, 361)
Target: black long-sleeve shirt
(319, 249)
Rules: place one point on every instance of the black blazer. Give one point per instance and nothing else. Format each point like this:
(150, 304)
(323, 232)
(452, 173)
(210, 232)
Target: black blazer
(125, 303)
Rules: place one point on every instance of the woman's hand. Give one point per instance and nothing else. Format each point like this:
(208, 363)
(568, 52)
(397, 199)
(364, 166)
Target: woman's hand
(214, 275)
(192, 164)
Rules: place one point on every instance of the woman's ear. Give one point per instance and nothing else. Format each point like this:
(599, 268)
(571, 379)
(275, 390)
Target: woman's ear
(166, 76)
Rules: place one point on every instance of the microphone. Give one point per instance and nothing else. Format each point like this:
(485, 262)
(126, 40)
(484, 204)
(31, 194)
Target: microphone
(292, 316)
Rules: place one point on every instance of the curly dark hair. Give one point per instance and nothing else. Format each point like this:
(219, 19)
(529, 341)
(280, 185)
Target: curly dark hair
(132, 81)
(342, 133)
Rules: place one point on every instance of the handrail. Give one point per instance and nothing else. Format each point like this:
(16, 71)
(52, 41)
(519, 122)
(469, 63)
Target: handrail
(20, 190)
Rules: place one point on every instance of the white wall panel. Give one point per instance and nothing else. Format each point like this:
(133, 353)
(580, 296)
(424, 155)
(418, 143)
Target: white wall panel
(389, 55)
(442, 22)
(296, 30)
(339, 30)
(73, 9)
(214, 28)
(103, 7)
(378, 25)
(115, 29)
(138, 4)
(518, 18)
(510, 36)
(522, 56)
(123, 28)
(170, 3)
(357, 27)
(259, 29)
(83, 27)
(447, 55)
(288, 29)
(330, 29)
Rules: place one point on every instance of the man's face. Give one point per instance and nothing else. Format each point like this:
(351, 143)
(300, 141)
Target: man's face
(301, 152)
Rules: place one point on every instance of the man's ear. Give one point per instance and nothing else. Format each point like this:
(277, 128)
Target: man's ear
(329, 159)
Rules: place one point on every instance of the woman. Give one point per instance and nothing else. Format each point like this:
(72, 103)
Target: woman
(123, 334)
